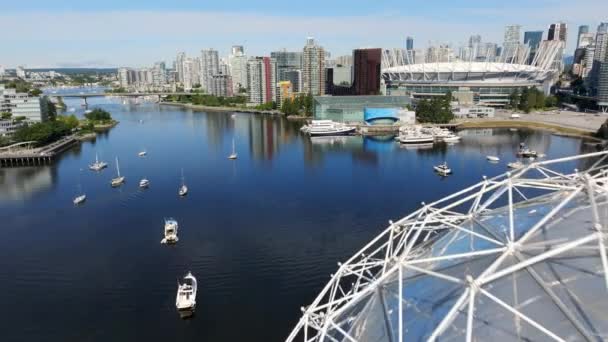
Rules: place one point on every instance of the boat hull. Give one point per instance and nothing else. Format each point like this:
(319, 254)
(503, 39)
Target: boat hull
(332, 133)
(416, 141)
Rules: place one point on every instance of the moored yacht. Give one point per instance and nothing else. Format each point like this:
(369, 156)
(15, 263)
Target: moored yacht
(98, 165)
(183, 189)
(515, 165)
(142, 153)
(526, 152)
(144, 183)
(493, 159)
(80, 199)
(414, 135)
(443, 169)
(170, 232)
(119, 179)
(185, 301)
(327, 128)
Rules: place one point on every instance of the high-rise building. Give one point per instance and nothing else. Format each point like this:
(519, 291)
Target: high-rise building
(533, 39)
(366, 65)
(295, 77)
(313, 68)
(439, 54)
(159, 74)
(285, 91)
(487, 52)
(261, 80)
(558, 31)
(287, 61)
(191, 73)
(21, 104)
(583, 29)
(2, 71)
(179, 66)
(409, 43)
(209, 66)
(221, 85)
(474, 40)
(512, 43)
(237, 60)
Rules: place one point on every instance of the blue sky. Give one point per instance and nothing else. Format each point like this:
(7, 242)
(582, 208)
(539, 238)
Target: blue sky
(137, 33)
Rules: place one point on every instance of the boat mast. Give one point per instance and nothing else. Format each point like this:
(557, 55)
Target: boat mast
(183, 182)
(117, 167)
(233, 148)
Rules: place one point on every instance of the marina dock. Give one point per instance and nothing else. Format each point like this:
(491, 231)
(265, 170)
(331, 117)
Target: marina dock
(16, 155)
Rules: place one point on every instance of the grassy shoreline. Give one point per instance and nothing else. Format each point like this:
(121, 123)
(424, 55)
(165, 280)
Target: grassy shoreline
(562, 130)
(220, 108)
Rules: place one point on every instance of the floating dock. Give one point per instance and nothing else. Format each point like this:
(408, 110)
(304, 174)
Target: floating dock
(9, 157)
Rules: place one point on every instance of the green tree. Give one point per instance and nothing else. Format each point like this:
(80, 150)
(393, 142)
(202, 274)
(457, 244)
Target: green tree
(540, 100)
(35, 92)
(5, 115)
(550, 101)
(98, 115)
(514, 99)
(435, 110)
(42, 132)
(524, 103)
(307, 104)
(71, 121)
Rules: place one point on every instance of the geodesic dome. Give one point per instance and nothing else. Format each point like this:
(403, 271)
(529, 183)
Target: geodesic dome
(521, 256)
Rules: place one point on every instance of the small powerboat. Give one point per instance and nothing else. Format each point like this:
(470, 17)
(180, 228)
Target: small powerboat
(185, 301)
(442, 169)
(142, 153)
(170, 232)
(80, 199)
(144, 183)
(493, 159)
(515, 165)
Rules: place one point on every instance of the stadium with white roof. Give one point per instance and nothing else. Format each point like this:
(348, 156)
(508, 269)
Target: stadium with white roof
(487, 82)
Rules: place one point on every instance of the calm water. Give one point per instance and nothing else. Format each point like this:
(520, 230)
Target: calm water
(262, 233)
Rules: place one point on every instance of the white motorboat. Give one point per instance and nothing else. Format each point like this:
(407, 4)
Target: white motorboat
(119, 180)
(515, 165)
(142, 153)
(443, 169)
(98, 165)
(414, 135)
(233, 116)
(183, 189)
(451, 138)
(493, 159)
(185, 301)
(144, 183)
(233, 155)
(526, 152)
(328, 128)
(170, 232)
(80, 199)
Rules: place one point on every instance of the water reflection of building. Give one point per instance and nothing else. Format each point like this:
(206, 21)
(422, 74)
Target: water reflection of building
(267, 134)
(476, 140)
(22, 183)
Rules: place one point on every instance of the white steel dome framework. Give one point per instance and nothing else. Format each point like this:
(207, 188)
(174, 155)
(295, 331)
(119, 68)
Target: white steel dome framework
(521, 256)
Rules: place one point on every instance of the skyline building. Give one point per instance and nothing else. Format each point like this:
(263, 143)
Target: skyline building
(558, 31)
(179, 66)
(367, 70)
(209, 66)
(191, 73)
(295, 77)
(262, 80)
(287, 61)
(237, 62)
(313, 68)
(409, 43)
(533, 39)
(511, 43)
(221, 85)
(583, 29)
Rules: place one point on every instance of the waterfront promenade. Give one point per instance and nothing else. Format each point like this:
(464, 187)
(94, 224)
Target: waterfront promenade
(16, 156)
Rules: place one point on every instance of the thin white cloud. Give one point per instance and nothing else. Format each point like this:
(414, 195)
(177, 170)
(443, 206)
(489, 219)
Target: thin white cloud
(141, 37)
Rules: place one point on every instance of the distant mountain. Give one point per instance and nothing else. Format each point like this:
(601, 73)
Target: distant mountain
(72, 71)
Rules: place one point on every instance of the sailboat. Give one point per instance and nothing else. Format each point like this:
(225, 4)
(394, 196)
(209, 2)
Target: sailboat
(233, 155)
(183, 190)
(80, 198)
(98, 165)
(185, 301)
(119, 179)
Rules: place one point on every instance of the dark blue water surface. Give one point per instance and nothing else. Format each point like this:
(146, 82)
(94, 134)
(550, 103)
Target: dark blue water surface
(262, 233)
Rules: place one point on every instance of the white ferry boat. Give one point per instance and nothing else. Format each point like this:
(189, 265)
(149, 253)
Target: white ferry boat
(327, 128)
(414, 135)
